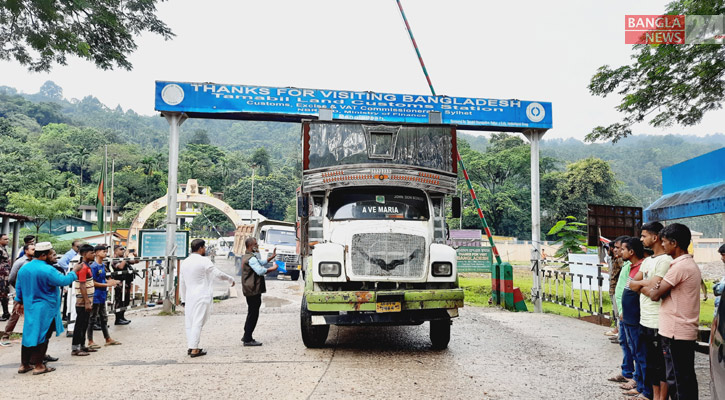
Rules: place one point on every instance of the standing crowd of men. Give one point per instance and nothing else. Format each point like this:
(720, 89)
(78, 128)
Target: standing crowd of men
(39, 280)
(657, 298)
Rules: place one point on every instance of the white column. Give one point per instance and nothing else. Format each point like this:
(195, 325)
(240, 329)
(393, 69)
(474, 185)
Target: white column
(175, 120)
(534, 137)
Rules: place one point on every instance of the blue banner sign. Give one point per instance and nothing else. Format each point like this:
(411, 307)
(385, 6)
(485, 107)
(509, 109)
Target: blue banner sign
(293, 104)
(152, 243)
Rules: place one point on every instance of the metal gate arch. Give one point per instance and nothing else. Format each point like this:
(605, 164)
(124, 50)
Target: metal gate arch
(191, 195)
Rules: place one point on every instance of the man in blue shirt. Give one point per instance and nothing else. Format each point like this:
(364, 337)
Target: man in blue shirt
(99, 315)
(68, 256)
(38, 291)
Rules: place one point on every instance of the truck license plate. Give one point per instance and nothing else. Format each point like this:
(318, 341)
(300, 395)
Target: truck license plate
(388, 306)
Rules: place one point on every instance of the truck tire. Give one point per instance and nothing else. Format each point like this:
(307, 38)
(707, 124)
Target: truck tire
(313, 336)
(440, 333)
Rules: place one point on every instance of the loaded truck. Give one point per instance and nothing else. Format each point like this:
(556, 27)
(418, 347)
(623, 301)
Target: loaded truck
(270, 235)
(371, 226)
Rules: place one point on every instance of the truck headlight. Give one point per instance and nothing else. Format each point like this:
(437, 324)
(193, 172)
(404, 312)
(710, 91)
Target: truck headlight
(442, 269)
(330, 269)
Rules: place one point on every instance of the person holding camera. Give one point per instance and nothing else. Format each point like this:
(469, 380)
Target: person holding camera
(122, 293)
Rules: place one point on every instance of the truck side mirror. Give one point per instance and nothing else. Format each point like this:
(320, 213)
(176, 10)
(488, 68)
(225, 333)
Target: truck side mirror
(303, 207)
(456, 207)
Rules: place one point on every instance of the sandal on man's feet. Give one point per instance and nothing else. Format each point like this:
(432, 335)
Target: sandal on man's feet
(201, 352)
(94, 346)
(631, 392)
(88, 350)
(628, 385)
(640, 397)
(113, 343)
(44, 371)
(25, 370)
(79, 353)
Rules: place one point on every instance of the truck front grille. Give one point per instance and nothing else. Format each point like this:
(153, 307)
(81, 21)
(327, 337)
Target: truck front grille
(288, 258)
(389, 255)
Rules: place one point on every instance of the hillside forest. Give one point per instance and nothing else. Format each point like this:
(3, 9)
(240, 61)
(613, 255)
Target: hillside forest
(52, 151)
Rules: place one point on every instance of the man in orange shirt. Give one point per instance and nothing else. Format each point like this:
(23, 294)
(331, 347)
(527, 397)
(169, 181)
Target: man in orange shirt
(679, 312)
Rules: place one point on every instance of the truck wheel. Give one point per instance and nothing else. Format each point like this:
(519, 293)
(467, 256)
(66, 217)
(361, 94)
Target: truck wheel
(440, 333)
(313, 336)
(295, 275)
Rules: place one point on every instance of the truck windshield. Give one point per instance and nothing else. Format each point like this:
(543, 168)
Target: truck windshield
(378, 203)
(275, 236)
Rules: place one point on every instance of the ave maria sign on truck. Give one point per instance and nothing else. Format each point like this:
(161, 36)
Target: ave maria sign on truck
(294, 104)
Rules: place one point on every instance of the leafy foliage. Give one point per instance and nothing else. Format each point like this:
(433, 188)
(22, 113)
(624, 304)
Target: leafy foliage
(38, 33)
(42, 210)
(570, 235)
(678, 83)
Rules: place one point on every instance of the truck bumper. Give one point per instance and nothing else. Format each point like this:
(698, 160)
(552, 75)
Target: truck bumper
(366, 301)
(405, 317)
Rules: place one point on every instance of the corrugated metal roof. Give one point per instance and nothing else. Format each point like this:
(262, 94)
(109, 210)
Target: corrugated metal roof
(18, 217)
(704, 200)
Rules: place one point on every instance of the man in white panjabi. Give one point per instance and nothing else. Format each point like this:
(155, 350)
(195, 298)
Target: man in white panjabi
(196, 285)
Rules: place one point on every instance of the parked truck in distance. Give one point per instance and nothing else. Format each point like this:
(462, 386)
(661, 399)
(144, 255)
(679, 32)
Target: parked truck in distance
(371, 226)
(270, 235)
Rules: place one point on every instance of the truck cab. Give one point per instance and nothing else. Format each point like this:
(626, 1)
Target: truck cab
(279, 235)
(371, 221)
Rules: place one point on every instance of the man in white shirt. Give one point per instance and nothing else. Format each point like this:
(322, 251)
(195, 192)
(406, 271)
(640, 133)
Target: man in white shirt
(196, 287)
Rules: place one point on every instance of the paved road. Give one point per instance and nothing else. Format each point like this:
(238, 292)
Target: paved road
(493, 355)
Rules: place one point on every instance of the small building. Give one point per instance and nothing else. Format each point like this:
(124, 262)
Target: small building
(90, 213)
(11, 223)
(65, 225)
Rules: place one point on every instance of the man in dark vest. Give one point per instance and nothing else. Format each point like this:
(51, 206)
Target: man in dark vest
(253, 286)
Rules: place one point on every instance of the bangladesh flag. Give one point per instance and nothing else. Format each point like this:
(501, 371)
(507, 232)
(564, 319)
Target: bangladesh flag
(101, 198)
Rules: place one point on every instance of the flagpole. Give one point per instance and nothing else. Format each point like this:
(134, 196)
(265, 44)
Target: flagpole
(105, 191)
(110, 228)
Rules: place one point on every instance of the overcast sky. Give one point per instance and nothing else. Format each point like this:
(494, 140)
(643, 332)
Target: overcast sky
(529, 50)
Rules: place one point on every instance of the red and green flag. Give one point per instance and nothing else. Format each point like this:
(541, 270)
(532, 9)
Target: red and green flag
(101, 198)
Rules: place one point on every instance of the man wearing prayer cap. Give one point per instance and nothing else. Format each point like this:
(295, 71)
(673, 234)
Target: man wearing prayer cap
(38, 291)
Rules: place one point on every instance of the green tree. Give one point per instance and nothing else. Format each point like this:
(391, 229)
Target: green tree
(272, 194)
(41, 210)
(678, 83)
(51, 91)
(587, 181)
(260, 159)
(39, 33)
(570, 235)
(200, 137)
(501, 179)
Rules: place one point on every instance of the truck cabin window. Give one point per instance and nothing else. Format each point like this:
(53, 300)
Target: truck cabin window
(275, 236)
(381, 145)
(378, 203)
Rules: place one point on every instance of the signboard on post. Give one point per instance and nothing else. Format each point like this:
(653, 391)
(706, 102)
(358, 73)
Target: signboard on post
(152, 243)
(212, 100)
(474, 259)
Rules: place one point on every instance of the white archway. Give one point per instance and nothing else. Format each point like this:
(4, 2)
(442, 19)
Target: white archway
(191, 195)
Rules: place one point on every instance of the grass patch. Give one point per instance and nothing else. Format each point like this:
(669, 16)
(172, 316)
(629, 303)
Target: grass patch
(477, 288)
(168, 313)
